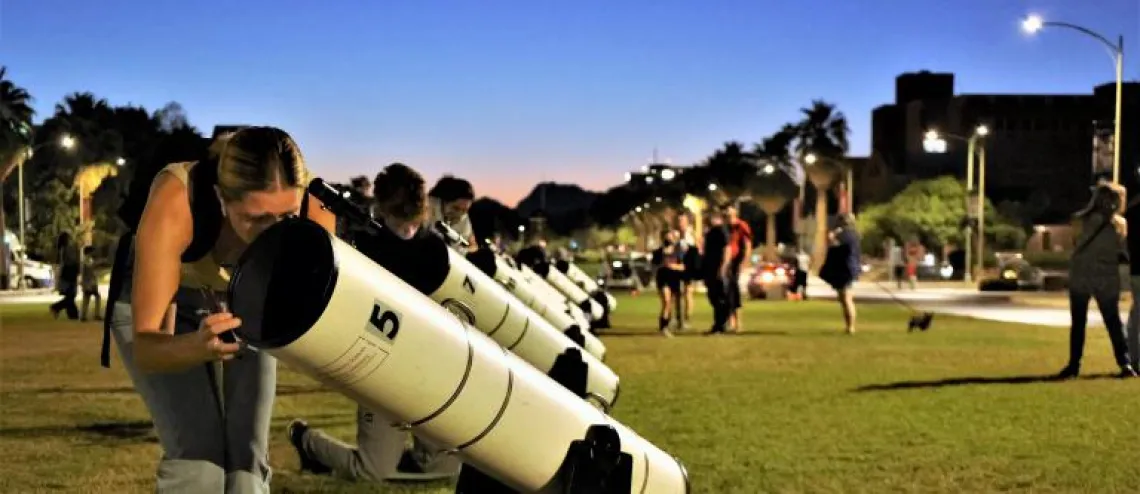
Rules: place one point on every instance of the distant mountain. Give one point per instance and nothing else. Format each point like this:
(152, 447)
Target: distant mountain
(556, 199)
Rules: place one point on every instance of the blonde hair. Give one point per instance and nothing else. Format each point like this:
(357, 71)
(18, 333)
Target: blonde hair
(257, 159)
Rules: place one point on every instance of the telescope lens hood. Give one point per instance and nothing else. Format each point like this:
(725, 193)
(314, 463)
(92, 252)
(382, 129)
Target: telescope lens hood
(283, 282)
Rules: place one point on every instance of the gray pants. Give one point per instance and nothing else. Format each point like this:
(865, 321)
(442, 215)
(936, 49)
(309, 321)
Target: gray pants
(204, 451)
(379, 447)
(1133, 327)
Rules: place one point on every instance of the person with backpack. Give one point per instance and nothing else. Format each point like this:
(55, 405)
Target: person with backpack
(211, 409)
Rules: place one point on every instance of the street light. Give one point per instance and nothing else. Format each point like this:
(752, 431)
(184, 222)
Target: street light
(66, 142)
(1035, 23)
(935, 142)
(811, 159)
(121, 161)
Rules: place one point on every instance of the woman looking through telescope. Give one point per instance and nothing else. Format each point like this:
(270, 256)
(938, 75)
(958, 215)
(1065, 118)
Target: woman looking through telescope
(212, 420)
(401, 204)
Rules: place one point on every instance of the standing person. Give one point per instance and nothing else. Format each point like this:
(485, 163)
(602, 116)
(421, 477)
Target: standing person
(449, 201)
(1132, 214)
(897, 262)
(67, 283)
(715, 270)
(842, 265)
(380, 453)
(1094, 274)
(212, 418)
(914, 254)
(692, 261)
(89, 280)
(669, 268)
(740, 250)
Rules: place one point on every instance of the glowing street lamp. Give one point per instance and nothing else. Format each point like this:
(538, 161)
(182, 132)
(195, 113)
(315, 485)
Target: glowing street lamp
(1034, 23)
(935, 142)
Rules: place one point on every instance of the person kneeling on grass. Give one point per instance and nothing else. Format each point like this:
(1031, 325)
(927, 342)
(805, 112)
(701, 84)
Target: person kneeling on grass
(381, 452)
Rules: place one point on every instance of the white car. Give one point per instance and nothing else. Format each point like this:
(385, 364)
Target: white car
(36, 274)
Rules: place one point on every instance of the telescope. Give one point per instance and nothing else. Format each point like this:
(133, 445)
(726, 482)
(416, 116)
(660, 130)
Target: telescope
(432, 267)
(317, 304)
(545, 305)
(588, 283)
(572, 291)
(547, 290)
(575, 274)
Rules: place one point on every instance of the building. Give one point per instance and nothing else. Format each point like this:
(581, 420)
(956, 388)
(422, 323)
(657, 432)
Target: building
(1039, 152)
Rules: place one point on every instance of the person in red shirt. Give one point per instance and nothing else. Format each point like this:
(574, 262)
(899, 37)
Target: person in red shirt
(740, 250)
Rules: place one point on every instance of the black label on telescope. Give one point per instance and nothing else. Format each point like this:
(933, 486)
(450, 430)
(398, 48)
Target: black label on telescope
(385, 322)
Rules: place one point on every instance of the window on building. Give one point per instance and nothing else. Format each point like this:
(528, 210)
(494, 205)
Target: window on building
(1047, 241)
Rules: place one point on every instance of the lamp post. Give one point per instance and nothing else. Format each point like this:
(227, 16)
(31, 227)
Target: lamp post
(934, 142)
(1034, 23)
(66, 142)
(848, 183)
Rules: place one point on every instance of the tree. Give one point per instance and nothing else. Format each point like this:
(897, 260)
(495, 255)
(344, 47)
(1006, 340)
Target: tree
(15, 123)
(823, 133)
(933, 211)
(771, 188)
(729, 168)
(171, 117)
(15, 135)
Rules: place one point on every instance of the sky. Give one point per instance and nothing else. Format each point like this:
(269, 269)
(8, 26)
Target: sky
(510, 93)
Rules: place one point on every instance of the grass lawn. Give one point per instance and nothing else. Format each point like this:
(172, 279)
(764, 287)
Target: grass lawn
(792, 405)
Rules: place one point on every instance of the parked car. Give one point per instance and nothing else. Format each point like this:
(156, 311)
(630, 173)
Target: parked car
(1015, 273)
(630, 272)
(36, 274)
(770, 280)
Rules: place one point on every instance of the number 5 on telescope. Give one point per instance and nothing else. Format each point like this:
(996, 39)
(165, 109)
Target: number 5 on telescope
(385, 322)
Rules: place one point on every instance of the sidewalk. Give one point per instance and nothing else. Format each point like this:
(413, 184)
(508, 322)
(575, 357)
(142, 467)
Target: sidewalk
(935, 292)
(39, 296)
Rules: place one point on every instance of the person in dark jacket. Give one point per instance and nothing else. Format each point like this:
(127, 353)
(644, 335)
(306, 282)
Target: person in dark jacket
(843, 264)
(715, 270)
(67, 255)
(1094, 273)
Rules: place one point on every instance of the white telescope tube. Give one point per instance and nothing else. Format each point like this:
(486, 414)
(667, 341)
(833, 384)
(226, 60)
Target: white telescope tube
(572, 291)
(428, 264)
(326, 310)
(543, 304)
(544, 289)
(584, 280)
(592, 343)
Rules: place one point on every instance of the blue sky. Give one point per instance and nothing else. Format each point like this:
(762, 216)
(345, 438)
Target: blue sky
(507, 93)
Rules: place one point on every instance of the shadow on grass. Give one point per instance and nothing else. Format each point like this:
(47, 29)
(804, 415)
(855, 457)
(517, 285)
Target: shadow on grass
(691, 333)
(143, 430)
(282, 390)
(975, 380)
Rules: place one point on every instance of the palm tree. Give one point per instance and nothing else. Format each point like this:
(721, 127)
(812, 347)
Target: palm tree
(729, 168)
(822, 133)
(15, 123)
(15, 134)
(771, 188)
